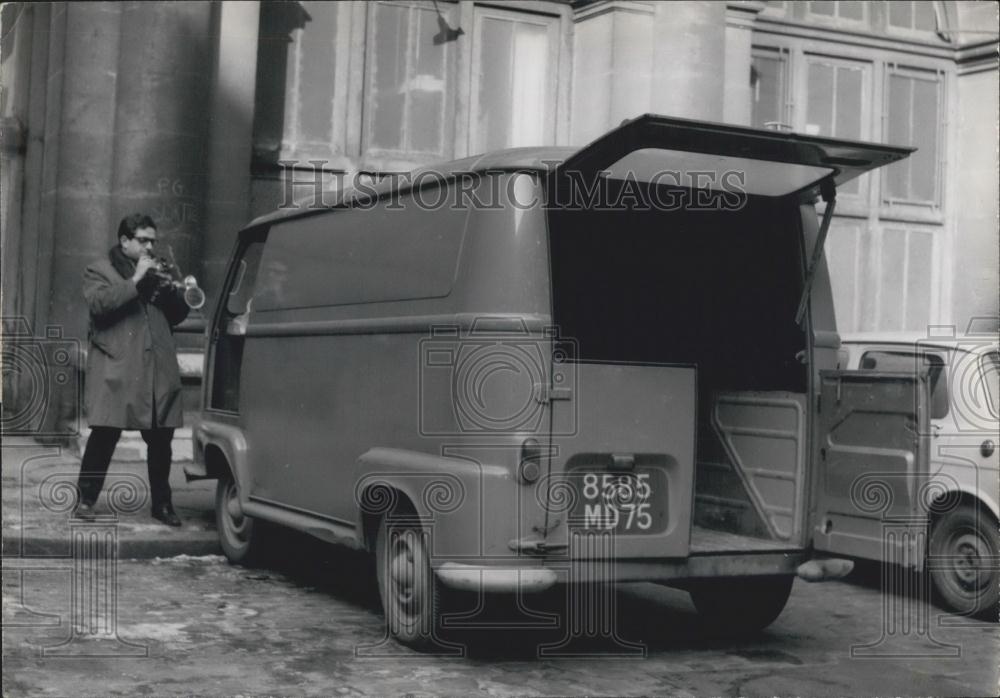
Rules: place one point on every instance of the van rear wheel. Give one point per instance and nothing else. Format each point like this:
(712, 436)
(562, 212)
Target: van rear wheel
(411, 595)
(963, 548)
(740, 605)
(238, 535)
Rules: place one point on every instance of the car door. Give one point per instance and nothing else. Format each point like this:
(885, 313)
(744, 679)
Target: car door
(872, 464)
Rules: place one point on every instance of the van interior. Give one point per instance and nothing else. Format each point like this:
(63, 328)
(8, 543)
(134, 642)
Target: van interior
(717, 289)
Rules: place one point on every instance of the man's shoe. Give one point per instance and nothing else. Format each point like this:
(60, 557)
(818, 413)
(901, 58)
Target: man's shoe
(165, 513)
(84, 512)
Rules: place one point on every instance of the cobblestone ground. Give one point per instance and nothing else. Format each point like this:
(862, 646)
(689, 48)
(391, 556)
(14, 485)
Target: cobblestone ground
(200, 626)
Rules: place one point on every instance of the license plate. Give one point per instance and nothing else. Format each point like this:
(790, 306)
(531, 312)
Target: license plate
(626, 503)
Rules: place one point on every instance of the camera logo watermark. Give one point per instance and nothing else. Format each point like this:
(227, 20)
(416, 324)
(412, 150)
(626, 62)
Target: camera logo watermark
(42, 381)
(489, 379)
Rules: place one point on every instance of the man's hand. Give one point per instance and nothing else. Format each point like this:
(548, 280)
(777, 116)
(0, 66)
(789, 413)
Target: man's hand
(141, 267)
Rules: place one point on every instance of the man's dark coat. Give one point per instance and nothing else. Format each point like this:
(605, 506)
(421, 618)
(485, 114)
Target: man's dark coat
(132, 362)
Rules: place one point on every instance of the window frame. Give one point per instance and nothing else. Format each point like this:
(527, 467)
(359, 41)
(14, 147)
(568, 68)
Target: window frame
(912, 32)
(940, 388)
(552, 23)
(915, 209)
(836, 20)
(848, 203)
(783, 55)
(375, 157)
(871, 217)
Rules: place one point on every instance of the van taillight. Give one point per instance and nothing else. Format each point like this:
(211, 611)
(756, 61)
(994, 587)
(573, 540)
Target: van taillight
(530, 468)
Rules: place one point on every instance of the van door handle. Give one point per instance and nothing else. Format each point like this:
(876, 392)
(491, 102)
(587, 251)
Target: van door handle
(622, 462)
(546, 393)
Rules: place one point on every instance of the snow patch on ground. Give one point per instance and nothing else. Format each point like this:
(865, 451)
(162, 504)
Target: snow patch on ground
(191, 559)
(163, 632)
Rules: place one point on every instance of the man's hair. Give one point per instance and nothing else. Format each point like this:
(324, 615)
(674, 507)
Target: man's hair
(134, 222)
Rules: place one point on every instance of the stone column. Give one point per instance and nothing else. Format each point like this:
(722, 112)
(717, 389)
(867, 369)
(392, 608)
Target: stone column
(738, 97)
(689, 59)
(227, 207)
(22, 284)
(161, 121)
(612, 66)
(77, 162)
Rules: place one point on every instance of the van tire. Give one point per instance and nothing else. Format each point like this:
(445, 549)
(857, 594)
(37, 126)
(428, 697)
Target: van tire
(410, 592)
(962, 545)
(740, 605)
(239, 534)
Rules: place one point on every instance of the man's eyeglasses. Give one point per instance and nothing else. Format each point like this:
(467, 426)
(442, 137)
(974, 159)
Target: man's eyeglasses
(145, 241)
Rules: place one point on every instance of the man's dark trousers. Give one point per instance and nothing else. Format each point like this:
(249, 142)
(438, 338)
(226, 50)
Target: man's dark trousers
(101, 447)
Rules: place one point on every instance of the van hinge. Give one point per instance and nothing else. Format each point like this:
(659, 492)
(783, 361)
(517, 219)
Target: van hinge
(545, 393)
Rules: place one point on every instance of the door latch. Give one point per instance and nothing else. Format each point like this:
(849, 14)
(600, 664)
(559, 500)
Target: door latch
(546, 393)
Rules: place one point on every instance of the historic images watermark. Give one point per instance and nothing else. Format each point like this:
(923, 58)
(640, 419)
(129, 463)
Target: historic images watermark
(85, 553)
(42, 399)
(315, 186)
(438, 597)
(453, 532)
(942, 546)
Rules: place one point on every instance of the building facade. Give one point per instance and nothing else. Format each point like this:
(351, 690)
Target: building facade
(207, 114)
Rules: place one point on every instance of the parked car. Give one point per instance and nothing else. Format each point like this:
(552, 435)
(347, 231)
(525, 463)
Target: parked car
(962, 481)
(552, 365)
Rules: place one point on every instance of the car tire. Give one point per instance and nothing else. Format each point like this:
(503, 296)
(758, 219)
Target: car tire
(963, 551)
(740, 605)
(239, 534)
(412, 597)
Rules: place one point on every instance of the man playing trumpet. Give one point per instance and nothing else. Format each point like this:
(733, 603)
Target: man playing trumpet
(132, 380)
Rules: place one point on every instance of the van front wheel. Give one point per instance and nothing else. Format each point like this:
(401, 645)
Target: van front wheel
(411, 596)
(740, 605)
(237, 537)
(963, 544)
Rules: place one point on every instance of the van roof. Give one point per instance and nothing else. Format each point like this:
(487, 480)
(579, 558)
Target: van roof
(650, 145)
(507, 160)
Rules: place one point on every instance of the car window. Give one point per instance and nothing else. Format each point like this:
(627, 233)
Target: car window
(244, 280)
(911, 362)
(991, 381)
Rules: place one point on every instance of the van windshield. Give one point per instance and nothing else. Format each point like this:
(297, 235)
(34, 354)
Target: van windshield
(715, 286)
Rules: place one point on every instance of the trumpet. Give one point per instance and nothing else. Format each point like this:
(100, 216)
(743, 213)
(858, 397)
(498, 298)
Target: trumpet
(168, 279)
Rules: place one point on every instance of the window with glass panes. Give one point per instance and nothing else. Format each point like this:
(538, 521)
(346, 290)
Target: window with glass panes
(408, 82)
(300, 107)
(851, 10)
(408, 93)
(769, 88)
(889, 226)
(907, 14)
(514, 68)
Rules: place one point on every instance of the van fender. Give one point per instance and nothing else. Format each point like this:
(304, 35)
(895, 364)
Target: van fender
(233, 444)
(959, 484)
(438, 487)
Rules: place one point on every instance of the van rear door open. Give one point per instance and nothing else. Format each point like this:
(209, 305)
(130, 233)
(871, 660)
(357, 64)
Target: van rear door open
(774, 163)
(674, 310)
(624, 456)
(874, 433)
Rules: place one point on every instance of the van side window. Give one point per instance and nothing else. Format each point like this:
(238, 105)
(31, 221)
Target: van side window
(991, 382)
(393, 252)
(232, 324)
(240, 293)
(909, 362)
